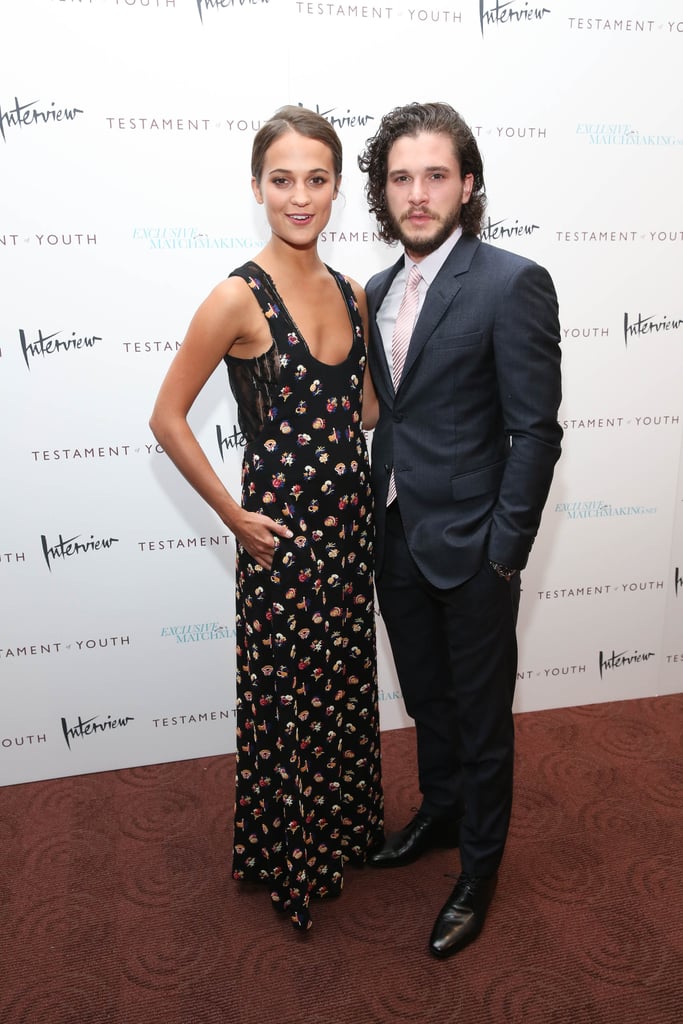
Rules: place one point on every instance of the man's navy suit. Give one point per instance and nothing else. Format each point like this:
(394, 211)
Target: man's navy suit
(472, 436)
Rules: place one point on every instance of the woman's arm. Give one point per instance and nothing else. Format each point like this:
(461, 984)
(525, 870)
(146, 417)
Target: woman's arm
(215, 327)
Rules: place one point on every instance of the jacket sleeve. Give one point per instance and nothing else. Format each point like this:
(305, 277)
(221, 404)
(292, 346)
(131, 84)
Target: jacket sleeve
(526, 338)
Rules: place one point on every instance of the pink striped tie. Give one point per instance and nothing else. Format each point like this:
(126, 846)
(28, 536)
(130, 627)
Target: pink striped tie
(400, 340)
(403, 328)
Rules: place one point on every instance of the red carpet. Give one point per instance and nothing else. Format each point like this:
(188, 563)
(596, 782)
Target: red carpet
(116, 902)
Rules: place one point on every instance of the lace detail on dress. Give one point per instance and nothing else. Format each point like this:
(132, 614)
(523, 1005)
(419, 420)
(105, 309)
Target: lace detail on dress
(254, 384)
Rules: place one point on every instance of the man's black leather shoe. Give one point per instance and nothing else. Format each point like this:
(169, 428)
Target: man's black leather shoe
(462, 916)
(423, 833)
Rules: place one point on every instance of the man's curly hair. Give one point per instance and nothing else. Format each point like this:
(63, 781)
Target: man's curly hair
(411, 120)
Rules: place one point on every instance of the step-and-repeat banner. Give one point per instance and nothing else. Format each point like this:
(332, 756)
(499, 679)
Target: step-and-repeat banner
(125, 136)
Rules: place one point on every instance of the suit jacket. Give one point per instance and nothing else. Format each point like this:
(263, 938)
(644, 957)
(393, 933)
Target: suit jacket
(472, 431)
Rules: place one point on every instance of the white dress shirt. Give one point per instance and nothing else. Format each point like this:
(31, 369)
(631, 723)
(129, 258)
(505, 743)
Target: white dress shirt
(429, 267)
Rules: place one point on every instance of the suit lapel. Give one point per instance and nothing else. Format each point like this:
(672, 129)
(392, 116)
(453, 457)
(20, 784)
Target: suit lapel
(442, 293)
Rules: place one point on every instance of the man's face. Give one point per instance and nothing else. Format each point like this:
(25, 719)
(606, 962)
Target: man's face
(425, 191)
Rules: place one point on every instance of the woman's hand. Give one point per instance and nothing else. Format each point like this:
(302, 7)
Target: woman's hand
(256, 533)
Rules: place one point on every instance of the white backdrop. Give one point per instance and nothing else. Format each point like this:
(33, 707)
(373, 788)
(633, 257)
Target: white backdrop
(125, 134)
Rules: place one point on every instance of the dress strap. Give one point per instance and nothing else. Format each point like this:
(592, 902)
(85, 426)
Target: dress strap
(262, 287)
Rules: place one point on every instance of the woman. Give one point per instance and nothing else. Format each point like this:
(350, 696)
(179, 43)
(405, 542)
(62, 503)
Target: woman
(291, 331)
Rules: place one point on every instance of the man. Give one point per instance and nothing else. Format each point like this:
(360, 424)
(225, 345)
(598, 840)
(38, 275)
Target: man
(462, 460)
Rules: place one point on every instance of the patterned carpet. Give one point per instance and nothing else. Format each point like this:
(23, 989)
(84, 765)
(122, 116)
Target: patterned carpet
(116, 903)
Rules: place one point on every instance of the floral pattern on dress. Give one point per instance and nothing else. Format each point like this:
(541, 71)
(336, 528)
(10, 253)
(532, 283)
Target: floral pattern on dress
(308, 789)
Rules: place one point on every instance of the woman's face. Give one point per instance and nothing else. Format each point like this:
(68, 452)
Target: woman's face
(297, 188)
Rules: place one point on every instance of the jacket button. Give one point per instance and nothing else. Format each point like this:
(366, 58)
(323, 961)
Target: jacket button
(387, 468)
(398, 418)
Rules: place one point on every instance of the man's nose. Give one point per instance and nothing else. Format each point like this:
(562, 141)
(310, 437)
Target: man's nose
(418, 191)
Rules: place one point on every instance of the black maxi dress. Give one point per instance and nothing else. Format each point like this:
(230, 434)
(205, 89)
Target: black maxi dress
(308, 784)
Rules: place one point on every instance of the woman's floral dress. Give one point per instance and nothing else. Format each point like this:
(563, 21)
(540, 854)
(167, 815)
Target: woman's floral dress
(308, 793)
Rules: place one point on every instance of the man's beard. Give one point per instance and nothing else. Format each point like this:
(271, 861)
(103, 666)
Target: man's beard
(424, 246)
